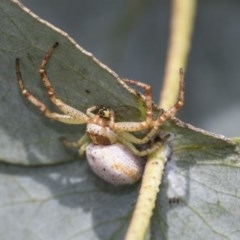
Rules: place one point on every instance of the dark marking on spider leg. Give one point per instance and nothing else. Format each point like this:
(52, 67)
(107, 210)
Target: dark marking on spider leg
(48, 85)
(148, 98)
(169, 113)
(48, 55)
(42, 107)
(182, 89)
(43, 73)
(19, 74)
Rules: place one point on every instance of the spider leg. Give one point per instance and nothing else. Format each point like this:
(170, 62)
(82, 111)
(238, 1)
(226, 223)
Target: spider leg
(169, 113)
(78, 115)
(135, 126)
(120, 127)
(140, 153)
(149, 122)
(148, 97)
(82, 143)
(133, 139)
(41, 106)
(90, 110)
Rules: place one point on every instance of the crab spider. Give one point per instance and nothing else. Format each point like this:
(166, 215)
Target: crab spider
(109, 145)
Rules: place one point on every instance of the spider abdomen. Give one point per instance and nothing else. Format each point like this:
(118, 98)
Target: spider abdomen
(114, 163)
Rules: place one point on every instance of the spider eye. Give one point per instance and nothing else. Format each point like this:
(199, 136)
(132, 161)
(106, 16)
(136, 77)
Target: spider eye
(104, 112)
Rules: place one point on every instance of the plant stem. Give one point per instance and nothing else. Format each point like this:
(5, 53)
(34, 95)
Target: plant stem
(180, 39)
(146, 198)
(179, 46)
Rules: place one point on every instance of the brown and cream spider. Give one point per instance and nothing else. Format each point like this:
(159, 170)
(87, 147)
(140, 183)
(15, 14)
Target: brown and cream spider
(109, 145)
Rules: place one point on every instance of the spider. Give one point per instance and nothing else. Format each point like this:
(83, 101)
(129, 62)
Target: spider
(109, 145)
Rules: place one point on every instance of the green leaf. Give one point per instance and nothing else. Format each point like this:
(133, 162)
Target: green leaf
(80, 80)
(210, 208)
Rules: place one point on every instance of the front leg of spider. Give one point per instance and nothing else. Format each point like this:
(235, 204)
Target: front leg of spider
(111, 151)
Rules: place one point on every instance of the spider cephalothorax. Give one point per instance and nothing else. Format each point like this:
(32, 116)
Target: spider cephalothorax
(105, 112)
(98, 128)
(110, 147)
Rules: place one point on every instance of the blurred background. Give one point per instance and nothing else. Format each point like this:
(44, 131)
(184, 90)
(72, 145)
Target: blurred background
(131, 37)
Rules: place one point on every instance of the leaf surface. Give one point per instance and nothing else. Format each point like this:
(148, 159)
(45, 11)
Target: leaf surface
(79, 79)
(208, 165)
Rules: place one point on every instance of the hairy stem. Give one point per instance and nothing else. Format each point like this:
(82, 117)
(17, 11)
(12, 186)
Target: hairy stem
(182, 22)
(147, 195)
